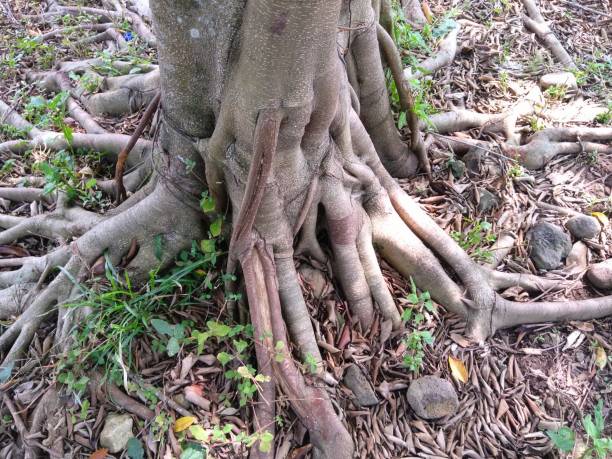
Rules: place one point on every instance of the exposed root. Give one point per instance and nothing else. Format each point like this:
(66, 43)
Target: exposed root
(544, 145)
(66, 30)
(137, 23)
(445, 56)
(122, 158)
(536, 23)
(64, 223)
(31, 268)
(461, 120)
(26, 194)
(124, 94)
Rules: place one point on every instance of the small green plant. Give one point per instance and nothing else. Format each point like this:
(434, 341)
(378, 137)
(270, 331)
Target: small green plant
(536, 124)
(61, 174)
(597, 446)
(605, 117)
(556, 92)
(416, 340)
(472, 241)
(504, 80)
(11, 132)
(45, 113)
(516, 170)
(7, 167)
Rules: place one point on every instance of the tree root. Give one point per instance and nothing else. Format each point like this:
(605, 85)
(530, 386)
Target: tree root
(544, 145)
(536, 23)
(445, 56)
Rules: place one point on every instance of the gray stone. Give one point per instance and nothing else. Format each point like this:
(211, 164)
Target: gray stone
(583, 226)
(600, 275)
(432, 398)
(357, 382)
(116, 432)
(457, 168)
(566, 79)
(548, 245)
(486, 200)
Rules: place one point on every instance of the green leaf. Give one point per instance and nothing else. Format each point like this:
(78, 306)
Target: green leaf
(207, 245)
(215, 227)
(198, 432)
(207, 203)
(224, 358)
(563, 439)
(590, 428)
(162, 327)
(240, 345)
(89, 184)
(401, 120)
(173, 347)
(599, 419)
(134, 449)
(193, 451)
(67, 130)
(217, 329)
(265, 442)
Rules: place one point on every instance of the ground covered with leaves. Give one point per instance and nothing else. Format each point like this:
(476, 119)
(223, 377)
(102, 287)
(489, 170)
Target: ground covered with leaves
(533, 391)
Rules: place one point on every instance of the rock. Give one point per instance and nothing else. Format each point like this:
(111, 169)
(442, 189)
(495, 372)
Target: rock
(116, 432)
(315, 280)
(583, 226)
(548, 245)
(432, 398)
(486, 200)
(600, 275)
(457, 168)
(357, 382)
(566, 79)
(479, 164)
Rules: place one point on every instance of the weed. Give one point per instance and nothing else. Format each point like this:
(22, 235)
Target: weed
(45, 113)
(597, 446)
(516, 170)
(11, 132)
(479, 234)
(61, 174)
(556, 92)
(7, 167)
(416, 340)
(605, 117)
(536, 124)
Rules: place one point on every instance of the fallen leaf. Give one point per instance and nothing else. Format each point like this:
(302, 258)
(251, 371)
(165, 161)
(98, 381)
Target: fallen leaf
(582, 326)
(603, 219)
(184, 422)
(99, 454)
(458, 369)
(574, 339)
(600, 357)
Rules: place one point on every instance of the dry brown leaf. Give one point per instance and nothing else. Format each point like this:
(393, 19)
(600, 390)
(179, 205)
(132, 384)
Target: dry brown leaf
(99, 454)
(184, 422)
(458, 369)
(600, 357)
(427, 11)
